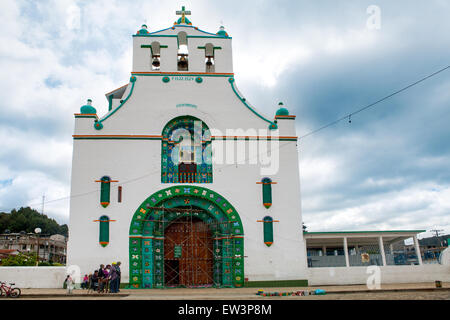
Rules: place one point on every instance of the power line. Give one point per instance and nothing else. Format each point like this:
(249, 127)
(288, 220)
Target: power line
(144, 176)
(348, 116)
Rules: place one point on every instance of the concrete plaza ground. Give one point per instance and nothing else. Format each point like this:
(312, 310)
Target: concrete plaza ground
(413, 291)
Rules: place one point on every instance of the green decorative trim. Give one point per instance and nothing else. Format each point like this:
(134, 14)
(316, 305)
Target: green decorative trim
(267, 192)
(276, 283)
(218, 48)
(104, 231)
(256, 138)
(105, 187)
(268, 230)
(169, 169)
(180, 105)
(110, 101)
(149, 46)
(160, 138)
(98, 124)
(116, 138)
(183, 26)
(340, 232)
(181, 75)
(165, 79)
(85, 116)
(173, 36)
(199, 79)
(147, 235)
(272, 125)
(156, 35)
(284, 118)
(219, 37)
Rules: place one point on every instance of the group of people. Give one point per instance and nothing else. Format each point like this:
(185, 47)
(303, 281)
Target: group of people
(105, 279)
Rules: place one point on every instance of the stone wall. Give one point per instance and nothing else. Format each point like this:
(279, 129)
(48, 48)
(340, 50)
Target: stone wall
(34, 277)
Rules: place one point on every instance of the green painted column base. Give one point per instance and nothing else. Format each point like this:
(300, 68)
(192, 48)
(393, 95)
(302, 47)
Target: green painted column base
(251, 284)
(276, 283)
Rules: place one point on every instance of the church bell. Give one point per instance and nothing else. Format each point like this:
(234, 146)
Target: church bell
(209, 61)
(156, 62)
(182, 63)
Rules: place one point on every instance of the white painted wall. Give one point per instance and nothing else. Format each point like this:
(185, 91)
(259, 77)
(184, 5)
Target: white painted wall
(126, 160)
(53, 277)
(389, 274)
(34, 277)
(445, 257)
(153, 104)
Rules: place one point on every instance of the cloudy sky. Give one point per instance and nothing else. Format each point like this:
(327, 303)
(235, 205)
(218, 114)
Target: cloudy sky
(387, 169)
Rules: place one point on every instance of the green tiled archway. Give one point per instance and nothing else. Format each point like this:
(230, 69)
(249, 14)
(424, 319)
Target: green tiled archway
(147, 227)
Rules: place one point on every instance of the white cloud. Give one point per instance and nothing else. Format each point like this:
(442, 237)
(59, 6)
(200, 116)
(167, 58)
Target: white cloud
(84, 49)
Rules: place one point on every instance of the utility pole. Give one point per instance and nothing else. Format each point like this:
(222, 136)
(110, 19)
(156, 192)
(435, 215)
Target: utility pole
(437, 233)
(43, 201)
(37, 231)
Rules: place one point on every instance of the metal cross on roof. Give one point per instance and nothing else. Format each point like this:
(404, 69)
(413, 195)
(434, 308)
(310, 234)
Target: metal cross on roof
(183, 13)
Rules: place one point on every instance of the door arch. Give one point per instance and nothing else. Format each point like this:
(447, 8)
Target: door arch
(148, 225)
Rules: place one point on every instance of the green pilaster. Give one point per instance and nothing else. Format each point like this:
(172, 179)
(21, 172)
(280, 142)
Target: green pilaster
(227, 263)
(238, 262)
(158, 252)
(147, 255)
(135, 263)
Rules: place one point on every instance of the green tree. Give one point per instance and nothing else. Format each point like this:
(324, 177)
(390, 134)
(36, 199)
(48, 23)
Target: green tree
(27, 219)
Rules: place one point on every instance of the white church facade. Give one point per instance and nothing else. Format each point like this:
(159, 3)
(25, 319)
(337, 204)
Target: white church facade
(192, 185)
(187, 184)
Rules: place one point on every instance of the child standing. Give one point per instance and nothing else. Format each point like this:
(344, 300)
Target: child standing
(70, 284)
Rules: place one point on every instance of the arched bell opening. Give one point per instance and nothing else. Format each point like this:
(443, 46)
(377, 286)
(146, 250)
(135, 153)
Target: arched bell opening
(183, 53)
(186, 151)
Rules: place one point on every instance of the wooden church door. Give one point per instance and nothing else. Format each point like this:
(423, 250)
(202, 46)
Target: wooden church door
(188, 253)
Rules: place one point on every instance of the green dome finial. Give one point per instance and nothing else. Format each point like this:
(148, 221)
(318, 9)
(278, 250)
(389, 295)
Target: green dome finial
(143, 30)
(88, 108)
(282, 111)
(222, 32)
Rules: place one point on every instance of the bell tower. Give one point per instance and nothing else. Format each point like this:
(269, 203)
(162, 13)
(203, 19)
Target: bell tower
(182, 48)
(180, 136)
